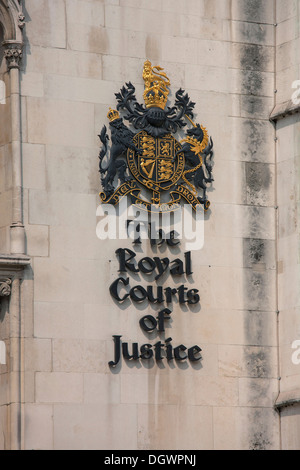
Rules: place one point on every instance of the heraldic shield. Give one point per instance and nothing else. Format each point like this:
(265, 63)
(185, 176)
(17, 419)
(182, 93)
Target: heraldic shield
(152, 158)
(160, 164)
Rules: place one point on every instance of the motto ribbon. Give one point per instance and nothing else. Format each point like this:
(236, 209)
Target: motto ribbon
(131, 188)
(183, 192)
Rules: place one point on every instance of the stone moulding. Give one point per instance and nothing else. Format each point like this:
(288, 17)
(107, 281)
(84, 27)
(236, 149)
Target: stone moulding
(13, 261)
(11, 267)
(286, 399)
(283, 110)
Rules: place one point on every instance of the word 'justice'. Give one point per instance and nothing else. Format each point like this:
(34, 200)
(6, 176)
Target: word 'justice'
(122, 291)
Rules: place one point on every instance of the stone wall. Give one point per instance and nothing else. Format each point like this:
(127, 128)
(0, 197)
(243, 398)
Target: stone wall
(288, 151)
(78, 54)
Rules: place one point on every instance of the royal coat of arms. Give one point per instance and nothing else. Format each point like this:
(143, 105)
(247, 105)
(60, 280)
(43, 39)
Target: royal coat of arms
(152, 160)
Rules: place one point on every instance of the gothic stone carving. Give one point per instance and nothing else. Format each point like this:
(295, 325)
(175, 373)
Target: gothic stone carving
(5, 287)
(13, 54)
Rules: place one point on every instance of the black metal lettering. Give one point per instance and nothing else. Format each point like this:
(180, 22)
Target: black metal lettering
(192, 353)
(177, 355)
(146, 351)
(135, 352)
(188, 263)
(162, 316)
(178, 268)
(143, 265)
(124, 264)
(193, 297)
(114, 289)
(181, 292)
(162, 266)
(135, 297)
(144, 323)
(117, 340)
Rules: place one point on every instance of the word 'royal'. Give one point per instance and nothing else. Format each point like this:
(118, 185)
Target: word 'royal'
(155, 265)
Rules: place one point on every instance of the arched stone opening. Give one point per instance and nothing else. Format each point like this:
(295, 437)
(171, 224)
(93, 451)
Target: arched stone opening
(12, 23)
(12, 19)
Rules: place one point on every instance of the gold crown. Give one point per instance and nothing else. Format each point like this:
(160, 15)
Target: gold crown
(113, 114)
(156, 86)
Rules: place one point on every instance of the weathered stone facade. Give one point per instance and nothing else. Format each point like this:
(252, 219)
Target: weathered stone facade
(62, 61)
